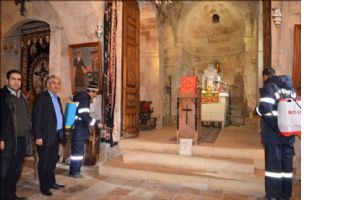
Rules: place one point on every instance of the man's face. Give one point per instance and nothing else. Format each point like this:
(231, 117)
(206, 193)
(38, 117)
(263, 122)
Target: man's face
(78, 56)
(54, 86)
(14, 82)
(265, 77)
(92, 94)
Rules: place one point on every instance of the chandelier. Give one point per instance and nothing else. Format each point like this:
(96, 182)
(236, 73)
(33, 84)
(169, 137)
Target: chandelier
(162, 2)
(161, 6)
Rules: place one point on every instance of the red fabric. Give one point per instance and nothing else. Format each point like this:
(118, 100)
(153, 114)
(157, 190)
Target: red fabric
(188, 86)
(285, 99)
(288, 134)
(146, 107)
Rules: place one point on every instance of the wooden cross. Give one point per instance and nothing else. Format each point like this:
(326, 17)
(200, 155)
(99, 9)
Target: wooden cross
(42, 74)
(187, 110)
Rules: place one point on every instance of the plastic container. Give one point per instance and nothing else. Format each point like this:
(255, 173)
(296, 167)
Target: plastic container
(185, 146)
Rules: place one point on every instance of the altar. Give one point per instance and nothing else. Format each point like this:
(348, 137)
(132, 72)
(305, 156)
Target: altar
(216, 112)
(214, 99)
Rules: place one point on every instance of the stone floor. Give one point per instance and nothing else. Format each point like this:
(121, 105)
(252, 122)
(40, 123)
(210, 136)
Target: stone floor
(246, 136)
(93, 186)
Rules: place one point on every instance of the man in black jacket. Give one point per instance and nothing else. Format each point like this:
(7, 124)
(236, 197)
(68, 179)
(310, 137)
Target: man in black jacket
(48, 125)
(15, 126)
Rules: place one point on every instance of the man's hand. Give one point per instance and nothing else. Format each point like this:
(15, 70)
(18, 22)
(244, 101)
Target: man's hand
(100, 125)
(39, 142)
(2, 145)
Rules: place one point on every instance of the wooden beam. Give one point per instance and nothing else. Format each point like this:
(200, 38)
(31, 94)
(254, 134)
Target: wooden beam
(267, 32)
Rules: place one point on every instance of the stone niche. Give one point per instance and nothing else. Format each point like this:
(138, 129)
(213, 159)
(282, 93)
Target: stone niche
(192, 41)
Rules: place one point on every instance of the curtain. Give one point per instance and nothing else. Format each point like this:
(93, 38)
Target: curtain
(34, 63)
(109, 71)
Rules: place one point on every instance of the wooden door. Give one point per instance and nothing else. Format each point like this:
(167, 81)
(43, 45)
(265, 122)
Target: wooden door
(296, 74)
(130, 86)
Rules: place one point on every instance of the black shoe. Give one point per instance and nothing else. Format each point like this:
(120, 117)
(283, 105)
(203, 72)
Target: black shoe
(20, 198)
(46, 192)
(57, 186)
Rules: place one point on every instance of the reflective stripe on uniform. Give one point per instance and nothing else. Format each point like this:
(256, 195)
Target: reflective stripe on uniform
(92, 123)
(76, 157)
(83, 110)
(293, 95)
(284, 91)
(287, 175)
(267, 100)
(272, 113)
(273, 174)
(257, 111)
(278, 175)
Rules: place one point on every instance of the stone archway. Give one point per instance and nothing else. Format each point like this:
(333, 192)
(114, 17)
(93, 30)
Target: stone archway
(11, 21)
(191, 41)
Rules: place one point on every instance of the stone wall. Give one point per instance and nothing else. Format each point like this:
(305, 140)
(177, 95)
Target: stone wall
(150, 73)
(191, 41)
(9, 60)
(282, 37)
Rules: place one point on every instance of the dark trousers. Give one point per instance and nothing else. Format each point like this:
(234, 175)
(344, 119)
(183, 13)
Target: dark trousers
(11, 168)
(279, 170)
(77, 156)
(48, 158)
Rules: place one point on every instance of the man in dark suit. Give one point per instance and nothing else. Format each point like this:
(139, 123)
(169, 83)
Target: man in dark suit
(48, 132)
(15, 126)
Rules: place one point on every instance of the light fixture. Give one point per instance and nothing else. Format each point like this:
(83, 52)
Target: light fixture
(15, 50)
(162, 2)
(162, 8)
(11, 48)
(99, 32)
(277, 16)
(22, 9)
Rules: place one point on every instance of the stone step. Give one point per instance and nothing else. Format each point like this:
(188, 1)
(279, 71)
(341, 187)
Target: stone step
(243, 184)
(256, 154)
(198, 163)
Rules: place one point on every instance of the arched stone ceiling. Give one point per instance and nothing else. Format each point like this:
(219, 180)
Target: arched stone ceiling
(79, 18)
(202, 37)
(12, 20)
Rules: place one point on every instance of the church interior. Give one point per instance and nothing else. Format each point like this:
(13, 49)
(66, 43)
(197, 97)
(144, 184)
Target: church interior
(178, 85)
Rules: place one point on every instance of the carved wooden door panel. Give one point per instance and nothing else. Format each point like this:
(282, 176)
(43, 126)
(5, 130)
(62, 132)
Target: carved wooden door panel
(130, 87)
(296, 74)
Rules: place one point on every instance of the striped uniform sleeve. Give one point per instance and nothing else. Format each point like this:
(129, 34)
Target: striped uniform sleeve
(268, 99)
(84, 113)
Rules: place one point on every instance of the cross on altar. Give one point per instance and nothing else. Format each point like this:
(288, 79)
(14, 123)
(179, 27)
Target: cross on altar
(187, 110)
